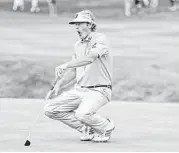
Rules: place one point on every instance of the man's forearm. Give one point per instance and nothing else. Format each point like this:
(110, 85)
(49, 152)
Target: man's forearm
(71, 65)
(82, 61)
(67, 78)
(79, 63)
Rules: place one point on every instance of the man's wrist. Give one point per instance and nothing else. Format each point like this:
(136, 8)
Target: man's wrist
(66, 66)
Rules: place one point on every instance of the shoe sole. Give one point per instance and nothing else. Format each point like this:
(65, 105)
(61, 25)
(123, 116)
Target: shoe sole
(86, 140)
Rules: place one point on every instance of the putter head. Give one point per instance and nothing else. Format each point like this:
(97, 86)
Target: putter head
(27, 143)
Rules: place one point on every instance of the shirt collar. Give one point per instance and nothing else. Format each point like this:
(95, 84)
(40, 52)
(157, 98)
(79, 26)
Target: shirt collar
(87, 39)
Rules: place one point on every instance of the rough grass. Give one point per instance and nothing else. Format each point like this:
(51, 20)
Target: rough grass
(26, 76)
(31, 78)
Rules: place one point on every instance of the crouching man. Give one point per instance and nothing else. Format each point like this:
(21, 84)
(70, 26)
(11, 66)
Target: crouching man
(91, 68)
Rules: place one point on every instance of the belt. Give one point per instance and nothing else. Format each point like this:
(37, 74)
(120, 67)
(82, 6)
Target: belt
(108, 86)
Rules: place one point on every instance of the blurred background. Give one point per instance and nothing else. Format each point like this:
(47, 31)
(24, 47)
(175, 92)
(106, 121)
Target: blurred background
(35, 38)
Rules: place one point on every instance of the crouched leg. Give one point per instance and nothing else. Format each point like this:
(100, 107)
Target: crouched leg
(62, 109)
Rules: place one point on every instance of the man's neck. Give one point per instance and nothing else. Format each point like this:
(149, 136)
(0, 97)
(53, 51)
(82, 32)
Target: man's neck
(88, 37)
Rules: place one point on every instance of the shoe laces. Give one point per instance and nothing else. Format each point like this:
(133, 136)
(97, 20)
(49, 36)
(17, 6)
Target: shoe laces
(88, 131)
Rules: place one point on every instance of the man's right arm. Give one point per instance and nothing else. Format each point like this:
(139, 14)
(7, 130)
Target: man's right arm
(68, 77)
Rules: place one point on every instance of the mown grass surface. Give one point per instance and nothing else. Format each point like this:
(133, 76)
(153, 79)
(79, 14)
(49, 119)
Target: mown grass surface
(140, 127)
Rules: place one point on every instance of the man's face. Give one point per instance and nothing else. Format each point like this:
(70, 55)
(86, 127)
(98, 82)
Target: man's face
(83, 29)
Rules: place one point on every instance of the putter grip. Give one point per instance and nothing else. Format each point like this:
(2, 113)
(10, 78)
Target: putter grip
(52, 87)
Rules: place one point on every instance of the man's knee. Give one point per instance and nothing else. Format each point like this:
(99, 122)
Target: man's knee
(48, 110)
(82, 116)
(51, 112)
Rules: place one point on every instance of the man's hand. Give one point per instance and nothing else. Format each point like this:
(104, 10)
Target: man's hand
(60, 70)
(49, 94)
(57, 88)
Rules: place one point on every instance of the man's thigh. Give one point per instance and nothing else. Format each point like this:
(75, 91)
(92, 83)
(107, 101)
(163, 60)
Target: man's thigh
(92, 101)
(67, 101)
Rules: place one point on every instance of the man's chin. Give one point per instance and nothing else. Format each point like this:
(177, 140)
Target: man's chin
(81, 37)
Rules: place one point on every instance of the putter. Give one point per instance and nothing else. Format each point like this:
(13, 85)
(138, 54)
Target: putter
(28, 143)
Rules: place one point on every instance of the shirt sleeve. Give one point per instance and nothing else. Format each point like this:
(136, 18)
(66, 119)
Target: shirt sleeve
(100, 46)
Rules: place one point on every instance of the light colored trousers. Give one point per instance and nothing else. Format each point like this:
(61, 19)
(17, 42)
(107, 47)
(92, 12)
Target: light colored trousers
(52, 8)
(128, 6)
(154, 3)
(34, 3)
(77, 108)
(18, 3)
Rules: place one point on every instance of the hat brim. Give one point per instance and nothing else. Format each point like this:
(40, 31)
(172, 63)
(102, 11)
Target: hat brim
(79, 21)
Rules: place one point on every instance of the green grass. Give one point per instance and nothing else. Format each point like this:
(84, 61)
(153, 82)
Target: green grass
(144, 127)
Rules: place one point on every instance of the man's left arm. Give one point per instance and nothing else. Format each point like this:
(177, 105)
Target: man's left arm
(100, 48)
(88, 59)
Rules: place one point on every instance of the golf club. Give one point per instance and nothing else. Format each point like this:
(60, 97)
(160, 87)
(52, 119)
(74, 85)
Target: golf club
(28, 143)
